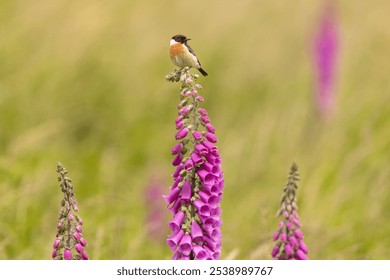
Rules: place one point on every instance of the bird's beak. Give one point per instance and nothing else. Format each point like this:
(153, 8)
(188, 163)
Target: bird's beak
(188, 39)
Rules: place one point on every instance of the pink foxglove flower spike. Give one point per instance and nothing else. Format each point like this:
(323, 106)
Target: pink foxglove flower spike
(196, 192)
(155, 216)
(326, 45)
(289, 238)
(69, 243)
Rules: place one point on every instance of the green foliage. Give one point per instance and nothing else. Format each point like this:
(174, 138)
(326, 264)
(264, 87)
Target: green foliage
(83, 83)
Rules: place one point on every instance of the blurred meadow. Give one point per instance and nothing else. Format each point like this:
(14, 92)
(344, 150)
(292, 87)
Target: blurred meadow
(82, 82)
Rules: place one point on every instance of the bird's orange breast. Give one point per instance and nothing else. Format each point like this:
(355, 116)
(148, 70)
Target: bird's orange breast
(175, 50)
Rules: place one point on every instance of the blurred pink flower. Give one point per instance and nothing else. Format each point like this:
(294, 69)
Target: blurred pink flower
(155, 209)
(326, 44)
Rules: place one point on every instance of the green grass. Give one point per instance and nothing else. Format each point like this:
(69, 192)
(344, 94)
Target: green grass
(83, 83)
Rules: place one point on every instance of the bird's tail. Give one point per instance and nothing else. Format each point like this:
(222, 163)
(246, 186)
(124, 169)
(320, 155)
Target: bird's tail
(204, 73)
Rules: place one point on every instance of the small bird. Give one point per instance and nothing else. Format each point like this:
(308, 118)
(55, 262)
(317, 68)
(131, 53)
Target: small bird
(182, 55)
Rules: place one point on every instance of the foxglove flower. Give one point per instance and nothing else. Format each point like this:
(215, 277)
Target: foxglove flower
(69, 243)
(289, 237)
(196, 192)
(154, 212)
(325, 59)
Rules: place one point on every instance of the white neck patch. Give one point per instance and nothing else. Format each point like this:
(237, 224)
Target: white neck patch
(172, 42)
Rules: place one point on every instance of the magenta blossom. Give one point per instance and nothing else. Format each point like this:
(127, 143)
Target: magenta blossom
(289, 237)
(325, 59)
(69, 243)
(154, 214)
(196, 192)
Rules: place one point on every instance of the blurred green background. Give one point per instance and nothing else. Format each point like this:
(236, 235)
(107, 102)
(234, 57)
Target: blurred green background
(82, 82)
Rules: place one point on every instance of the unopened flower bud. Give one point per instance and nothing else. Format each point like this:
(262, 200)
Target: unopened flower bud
(67, 254)
(54, 254)
(56, 243)
(210, 128)
(79, 248)
(202, 111)
(204, 119)
(79, 228)
(200, 98)
(197, 135)
(83, 242)
(182, 133)
(211, 137)
(177, 148)
(76, 235)
(84, 256)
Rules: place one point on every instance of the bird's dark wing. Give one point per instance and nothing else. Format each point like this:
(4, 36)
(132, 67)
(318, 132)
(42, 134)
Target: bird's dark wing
(192, 51)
